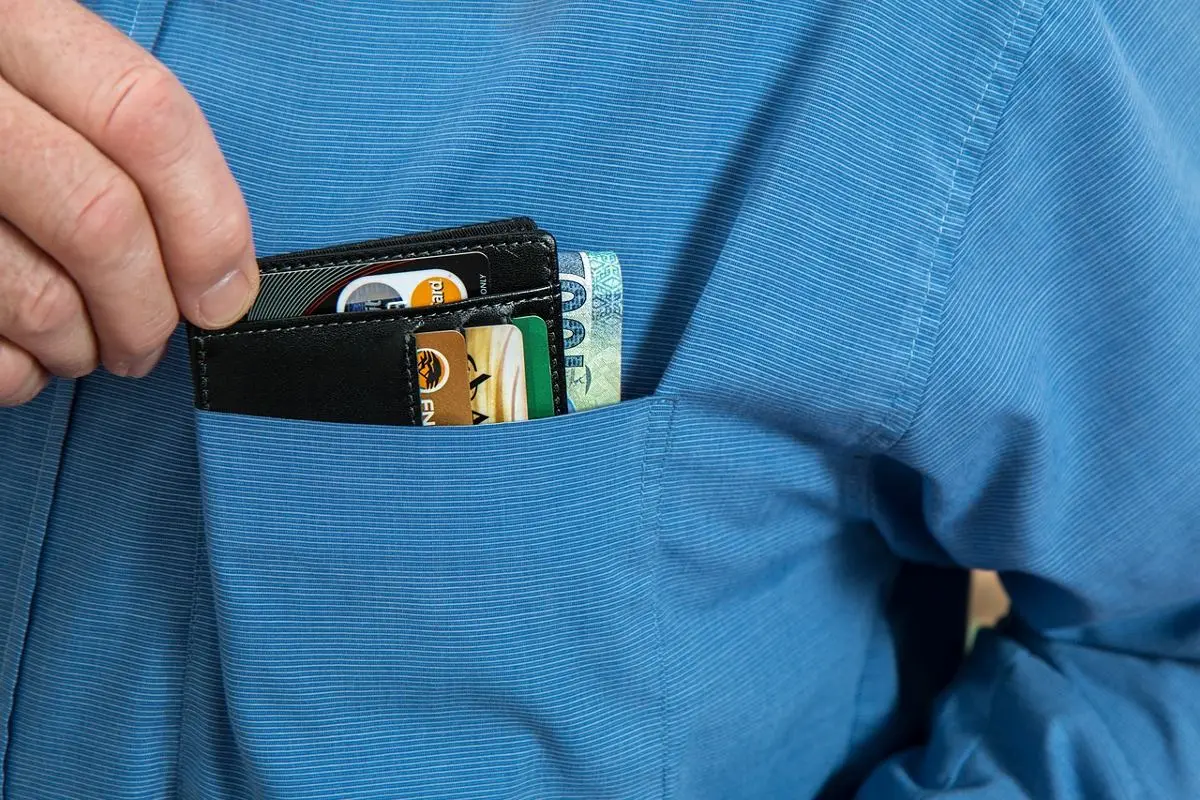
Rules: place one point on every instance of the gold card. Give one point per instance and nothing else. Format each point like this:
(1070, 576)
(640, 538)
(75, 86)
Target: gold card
(496, 362)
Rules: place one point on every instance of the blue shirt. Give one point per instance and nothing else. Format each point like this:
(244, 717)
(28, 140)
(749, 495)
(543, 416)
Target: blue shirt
(911, 287)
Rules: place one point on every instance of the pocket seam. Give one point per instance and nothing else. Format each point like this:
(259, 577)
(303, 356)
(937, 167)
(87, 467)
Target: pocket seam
(189, 649)
(34, 532)
(653, 484)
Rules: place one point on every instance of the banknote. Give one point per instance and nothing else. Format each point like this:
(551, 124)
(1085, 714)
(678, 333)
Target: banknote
(592, 297)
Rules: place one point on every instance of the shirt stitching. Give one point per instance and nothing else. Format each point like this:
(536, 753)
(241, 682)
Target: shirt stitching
(891, 430)
(656, 539)
(188, 654)
(51, 429)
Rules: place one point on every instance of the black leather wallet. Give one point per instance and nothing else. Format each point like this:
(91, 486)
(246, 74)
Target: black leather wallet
(359, 367)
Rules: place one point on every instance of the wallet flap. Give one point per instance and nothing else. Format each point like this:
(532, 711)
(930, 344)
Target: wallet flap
(326, 369)
(344, 368)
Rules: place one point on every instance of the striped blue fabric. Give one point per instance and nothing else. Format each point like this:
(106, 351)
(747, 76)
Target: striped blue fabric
(911, 288)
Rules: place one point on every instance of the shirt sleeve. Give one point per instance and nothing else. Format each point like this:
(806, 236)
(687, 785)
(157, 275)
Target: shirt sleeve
(1059, 432)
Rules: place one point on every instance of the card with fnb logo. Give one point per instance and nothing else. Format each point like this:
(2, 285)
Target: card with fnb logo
(443, 378)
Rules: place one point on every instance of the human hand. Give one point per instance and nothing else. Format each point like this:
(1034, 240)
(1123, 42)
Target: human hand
(118, 213)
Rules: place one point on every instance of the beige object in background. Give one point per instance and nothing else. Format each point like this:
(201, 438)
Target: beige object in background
(988, 604)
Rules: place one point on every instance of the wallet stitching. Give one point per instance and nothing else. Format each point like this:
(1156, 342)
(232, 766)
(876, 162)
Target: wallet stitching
(395, 320)
(555, 325)
(408, 379)
(310, 326)
(540, 243)
(202, 357)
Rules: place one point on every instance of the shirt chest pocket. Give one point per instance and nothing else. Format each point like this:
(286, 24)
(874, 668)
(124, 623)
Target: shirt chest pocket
(444, 612)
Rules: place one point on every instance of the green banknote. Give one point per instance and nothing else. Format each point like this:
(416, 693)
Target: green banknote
(592, 297)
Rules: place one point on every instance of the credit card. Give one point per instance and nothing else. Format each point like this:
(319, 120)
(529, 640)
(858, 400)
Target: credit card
(496, 363)
(425, 287)
(443, 379)
(539, 389)
(315, 290)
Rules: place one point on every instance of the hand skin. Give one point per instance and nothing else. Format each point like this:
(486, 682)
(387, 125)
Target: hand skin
(118, 213)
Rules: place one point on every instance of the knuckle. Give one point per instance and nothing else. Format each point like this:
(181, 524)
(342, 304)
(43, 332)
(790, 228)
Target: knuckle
(100, 216)
(227, 237)
(147, 110)
(45, 306)
(136, 342)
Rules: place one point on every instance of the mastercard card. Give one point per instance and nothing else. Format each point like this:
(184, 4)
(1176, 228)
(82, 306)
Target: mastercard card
(496, 364)
(442, 378)
(307, 290)
(425, 287)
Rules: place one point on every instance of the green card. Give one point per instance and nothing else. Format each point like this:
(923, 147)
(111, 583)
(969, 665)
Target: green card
(538, 386)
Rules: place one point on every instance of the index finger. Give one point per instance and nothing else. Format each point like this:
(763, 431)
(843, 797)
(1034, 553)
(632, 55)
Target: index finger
(133, 110)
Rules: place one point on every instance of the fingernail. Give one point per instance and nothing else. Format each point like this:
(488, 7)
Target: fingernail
(142, 368)
(226, 300)
(122, 369)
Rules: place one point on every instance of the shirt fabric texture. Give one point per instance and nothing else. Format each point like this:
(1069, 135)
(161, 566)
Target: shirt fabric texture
(911, 287)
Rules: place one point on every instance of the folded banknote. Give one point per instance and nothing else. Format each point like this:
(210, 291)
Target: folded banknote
(592, 297)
